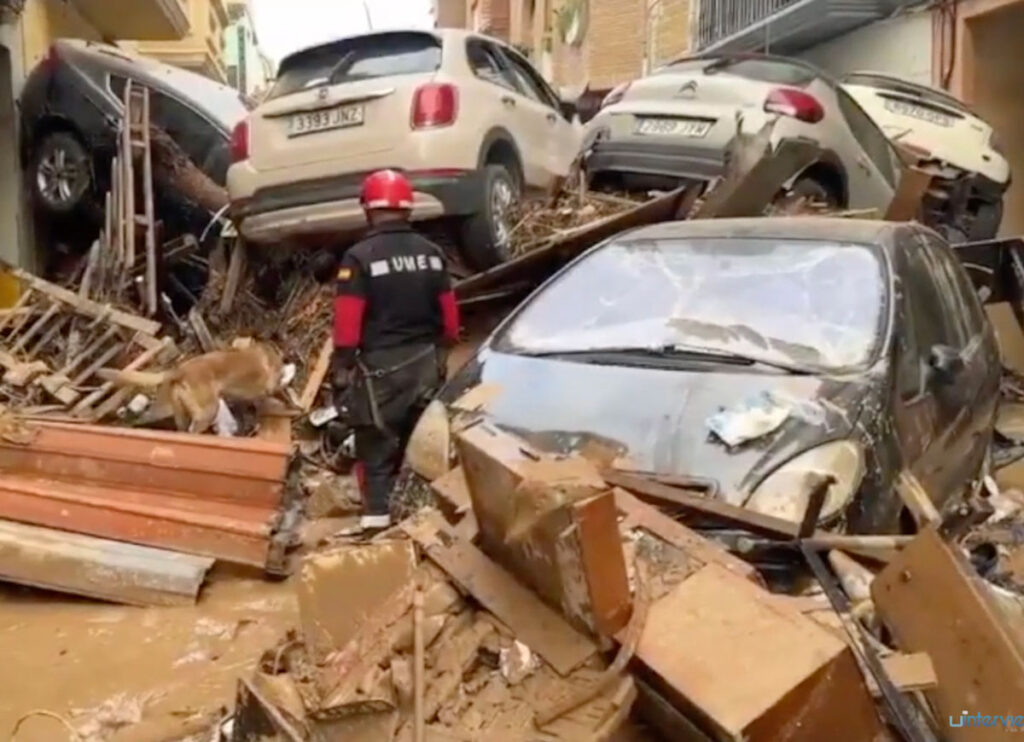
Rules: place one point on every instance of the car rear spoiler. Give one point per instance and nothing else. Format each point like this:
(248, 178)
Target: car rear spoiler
(997, 269)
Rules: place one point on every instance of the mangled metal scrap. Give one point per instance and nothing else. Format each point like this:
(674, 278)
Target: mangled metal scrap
(217, 497)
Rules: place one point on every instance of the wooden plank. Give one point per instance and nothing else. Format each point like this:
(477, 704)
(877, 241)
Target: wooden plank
(317, 375)
(932, 601)
(651, 491)
(128, 183)
(117, 399)
(86, 306)
(150, 219)
(203, 335)
(911, 672)
(906, 202)
(236, 269)
(913, 494)
(533, 622)
(36, 327)
(98, 568)
(15, 312)
(640, 515)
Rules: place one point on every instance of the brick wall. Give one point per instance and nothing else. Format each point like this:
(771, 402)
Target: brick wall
(488, 16)
(619, 35)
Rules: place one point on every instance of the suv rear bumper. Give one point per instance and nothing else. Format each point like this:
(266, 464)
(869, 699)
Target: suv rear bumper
(655, 158)
(331, 205)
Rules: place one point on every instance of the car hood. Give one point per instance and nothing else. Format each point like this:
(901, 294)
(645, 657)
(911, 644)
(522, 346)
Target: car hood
(656, 419)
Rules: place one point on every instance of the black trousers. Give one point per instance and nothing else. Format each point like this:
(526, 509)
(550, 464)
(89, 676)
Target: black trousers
(390, 390)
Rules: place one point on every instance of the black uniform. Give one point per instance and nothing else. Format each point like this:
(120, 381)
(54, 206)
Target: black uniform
(393, 308)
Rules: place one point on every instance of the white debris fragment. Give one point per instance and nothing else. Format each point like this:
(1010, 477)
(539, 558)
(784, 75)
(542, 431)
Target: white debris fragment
(517, 663)
(138, 404)
(288, 372)
(225, 423)
(99, 724)
(323, 415)
(752, 419)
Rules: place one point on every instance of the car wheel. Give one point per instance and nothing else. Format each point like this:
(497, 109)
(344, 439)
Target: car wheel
(486, 235)
(61, 173)
(814, 191)
(986, 222)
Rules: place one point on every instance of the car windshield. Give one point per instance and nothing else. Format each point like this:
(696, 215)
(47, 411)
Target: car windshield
(776, 71)
(906, 88)
(815, 305)
(358, 58)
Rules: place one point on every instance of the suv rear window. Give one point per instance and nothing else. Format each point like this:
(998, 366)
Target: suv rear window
(776, 71)
(360, 58)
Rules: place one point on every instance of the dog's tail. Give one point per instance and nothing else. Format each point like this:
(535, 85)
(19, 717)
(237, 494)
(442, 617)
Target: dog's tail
(142, 379)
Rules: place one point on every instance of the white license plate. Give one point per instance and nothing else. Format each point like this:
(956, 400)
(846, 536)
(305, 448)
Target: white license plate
(918, 112)
(693, 128)
(310, 122)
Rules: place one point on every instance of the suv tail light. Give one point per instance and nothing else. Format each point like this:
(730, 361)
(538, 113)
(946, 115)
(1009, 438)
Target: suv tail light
(617, 94)
(796, 104)
(240, 141)
(434, 104)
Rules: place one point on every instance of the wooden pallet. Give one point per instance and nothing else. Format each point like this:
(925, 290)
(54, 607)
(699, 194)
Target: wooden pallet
(57, 340)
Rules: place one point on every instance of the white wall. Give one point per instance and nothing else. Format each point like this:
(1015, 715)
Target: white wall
(899, 46)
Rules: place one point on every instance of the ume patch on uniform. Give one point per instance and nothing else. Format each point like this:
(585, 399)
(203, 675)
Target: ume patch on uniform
(344, 274)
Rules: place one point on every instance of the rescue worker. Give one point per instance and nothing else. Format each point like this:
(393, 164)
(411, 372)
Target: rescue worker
(394, 318)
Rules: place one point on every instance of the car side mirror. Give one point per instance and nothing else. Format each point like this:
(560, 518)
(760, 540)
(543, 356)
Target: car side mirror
(944, 364)
(568, 109)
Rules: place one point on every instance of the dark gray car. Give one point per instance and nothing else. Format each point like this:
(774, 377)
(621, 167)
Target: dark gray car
(71, 106)
(750, 353)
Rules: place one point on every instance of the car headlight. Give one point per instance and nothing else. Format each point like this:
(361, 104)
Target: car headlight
(430, 443)
(784, 493)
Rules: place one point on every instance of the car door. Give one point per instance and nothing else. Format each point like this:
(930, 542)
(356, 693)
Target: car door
(553, 138)
(872, 166)
(972, 398)
(497, 95)
(921, 325)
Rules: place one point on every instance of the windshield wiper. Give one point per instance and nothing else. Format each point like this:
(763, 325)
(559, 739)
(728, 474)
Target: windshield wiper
(672, 352)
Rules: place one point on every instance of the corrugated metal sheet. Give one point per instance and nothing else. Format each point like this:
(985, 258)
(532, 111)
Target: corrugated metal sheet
(733, 26)
(205, 495)
(98, 568)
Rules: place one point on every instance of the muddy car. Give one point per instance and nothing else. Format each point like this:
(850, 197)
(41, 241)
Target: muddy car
(750, 354)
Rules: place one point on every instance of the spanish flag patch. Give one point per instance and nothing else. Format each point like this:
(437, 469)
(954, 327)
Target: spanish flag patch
(344, 274)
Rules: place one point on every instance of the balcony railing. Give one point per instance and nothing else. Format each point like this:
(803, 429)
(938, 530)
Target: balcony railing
(783, 26)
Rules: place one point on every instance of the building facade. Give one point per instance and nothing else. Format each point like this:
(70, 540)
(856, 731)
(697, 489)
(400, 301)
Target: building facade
(247, 70)
(588, 44)
(201, 49)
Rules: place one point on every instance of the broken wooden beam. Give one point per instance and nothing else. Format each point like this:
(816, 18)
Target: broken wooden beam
(97, 568)
(932, 601)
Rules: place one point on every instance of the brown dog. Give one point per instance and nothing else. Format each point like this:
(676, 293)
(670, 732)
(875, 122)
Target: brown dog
(191, 393)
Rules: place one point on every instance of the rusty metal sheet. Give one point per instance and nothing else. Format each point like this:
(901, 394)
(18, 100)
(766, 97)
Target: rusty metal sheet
(239, 470)
(204, 495)
(98, 568)
(538, 264)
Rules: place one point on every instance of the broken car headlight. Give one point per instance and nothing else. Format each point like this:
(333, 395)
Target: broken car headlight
(784, 493)
(428, 451)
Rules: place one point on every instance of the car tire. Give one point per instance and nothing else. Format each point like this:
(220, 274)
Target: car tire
(484, 238)
(61, 173)
(985, 225)
(813, 190)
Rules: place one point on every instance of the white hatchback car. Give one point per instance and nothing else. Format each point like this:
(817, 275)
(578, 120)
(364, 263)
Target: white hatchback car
(674, 126)
(466, 117)
(936, 126)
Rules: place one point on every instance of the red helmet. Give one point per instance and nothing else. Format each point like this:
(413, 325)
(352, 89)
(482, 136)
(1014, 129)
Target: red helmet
(386, 189)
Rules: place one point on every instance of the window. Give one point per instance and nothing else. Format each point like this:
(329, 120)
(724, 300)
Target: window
(924, 285)
(808, 303)
(871, 139)
(359, 58)
(117, 86)
(191, 131)
(965, 305)
(777, 71)
(530, 81)
(486, 64)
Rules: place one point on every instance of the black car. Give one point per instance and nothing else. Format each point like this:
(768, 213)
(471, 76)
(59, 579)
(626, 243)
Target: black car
(71, 107)
(749, 353)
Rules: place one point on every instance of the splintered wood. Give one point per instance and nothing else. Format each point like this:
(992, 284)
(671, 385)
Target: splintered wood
(56, 341)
